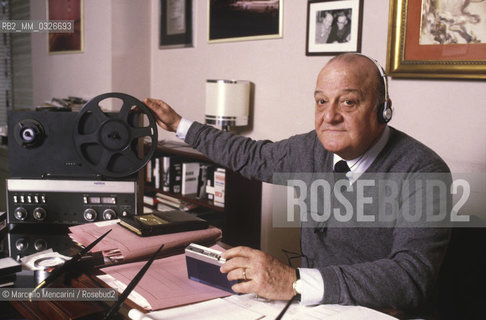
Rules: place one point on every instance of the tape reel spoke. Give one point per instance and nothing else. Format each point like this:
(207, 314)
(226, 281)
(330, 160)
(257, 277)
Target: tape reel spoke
(125, 111)
(109, 142)
(141, 132)
(105, 159)
(88, 138)
(130, 156)
(98, 113)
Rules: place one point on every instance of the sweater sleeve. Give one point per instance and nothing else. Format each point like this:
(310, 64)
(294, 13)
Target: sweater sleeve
(250, 158)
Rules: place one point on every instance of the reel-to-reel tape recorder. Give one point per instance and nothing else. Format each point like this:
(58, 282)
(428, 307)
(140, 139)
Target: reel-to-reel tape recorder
(74, 167)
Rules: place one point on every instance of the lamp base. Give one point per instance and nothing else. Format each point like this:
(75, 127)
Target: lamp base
(226, 120)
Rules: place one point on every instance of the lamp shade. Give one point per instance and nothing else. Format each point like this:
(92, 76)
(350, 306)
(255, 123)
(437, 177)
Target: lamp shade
(227, 102)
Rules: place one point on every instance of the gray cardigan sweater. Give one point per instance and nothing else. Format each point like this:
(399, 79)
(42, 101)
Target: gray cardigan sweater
(387, 267)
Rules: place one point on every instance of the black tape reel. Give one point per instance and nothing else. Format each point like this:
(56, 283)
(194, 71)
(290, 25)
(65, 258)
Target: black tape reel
(109, 143)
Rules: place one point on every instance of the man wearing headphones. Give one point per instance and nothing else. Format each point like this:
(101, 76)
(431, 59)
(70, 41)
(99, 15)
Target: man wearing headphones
(380, 268)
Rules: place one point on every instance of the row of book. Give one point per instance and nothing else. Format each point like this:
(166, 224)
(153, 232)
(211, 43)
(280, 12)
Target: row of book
(188, 178)
(163, 202)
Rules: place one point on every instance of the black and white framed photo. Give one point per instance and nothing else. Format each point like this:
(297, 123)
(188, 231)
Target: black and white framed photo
(175, 24)
(244, 20)
(333, 26)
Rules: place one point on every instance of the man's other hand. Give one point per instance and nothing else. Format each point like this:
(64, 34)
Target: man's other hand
(166, 117)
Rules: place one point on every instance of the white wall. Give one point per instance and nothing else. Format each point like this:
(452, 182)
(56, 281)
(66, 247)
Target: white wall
(115, 56)
(130, 44)
(77, 74)
(447, 115)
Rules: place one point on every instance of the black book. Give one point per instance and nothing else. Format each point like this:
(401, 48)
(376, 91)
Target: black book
(157, 223)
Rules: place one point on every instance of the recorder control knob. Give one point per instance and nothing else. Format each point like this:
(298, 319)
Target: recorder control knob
(20, 213)
(39, 214)
(21, 244)
(40, 244)
(90, 215)
(109, 214)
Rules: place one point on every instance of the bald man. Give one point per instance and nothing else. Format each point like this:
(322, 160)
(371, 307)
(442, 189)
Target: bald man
(390, 266)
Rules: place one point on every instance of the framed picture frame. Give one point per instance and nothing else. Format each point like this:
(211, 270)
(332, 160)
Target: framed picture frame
(333, 26)
(244, 20)
(431, 40)
(60, 43)
(176, 27)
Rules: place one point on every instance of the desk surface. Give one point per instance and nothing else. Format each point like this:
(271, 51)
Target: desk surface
(21, 242)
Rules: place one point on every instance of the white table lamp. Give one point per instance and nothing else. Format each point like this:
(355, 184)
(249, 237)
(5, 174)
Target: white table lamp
(227, 102)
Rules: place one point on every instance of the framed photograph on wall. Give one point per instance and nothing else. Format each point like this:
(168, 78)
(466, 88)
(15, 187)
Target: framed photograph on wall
(176, 24)
(437, 39)
(66, 10)
(333, 27)
(244, 20)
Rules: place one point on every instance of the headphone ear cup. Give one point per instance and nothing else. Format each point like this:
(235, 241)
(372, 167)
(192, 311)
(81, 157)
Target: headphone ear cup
(385, 113)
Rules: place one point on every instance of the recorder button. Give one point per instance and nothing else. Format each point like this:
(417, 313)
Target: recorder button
(20, 214)
(90, 215)
(39, 214)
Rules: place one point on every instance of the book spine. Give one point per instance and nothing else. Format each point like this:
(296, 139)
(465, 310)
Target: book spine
(148, 200)
(190, 173)
(149, 173)
(157, 173)
(219, 186)
(166, 176)
(202, 181)
(210, 182)
(176, 176)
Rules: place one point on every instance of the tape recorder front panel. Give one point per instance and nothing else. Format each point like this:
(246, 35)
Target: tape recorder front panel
(76, 167)
(35, 201)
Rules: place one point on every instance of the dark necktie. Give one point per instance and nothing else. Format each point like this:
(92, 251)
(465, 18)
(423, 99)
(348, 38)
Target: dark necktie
(341, 166)
(340, 169)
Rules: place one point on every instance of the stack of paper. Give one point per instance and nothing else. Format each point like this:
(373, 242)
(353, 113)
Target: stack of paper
(132, 247)
(165, 284)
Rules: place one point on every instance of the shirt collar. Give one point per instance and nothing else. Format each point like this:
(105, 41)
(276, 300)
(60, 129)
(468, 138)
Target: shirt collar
(360, 164)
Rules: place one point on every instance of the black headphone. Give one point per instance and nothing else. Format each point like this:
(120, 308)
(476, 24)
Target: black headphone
(385, 111)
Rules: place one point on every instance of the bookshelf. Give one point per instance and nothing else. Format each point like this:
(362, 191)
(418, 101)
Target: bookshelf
(240, 218)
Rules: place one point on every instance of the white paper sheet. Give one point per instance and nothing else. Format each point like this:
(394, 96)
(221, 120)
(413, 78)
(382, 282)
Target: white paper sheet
(250, 307)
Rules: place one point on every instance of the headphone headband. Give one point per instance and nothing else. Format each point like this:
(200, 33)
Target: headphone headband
(386, 112)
